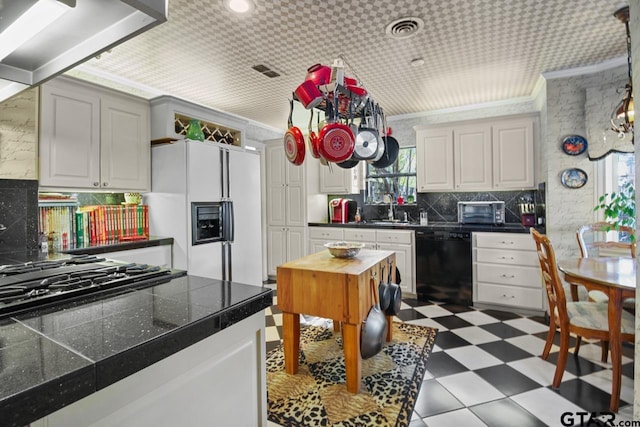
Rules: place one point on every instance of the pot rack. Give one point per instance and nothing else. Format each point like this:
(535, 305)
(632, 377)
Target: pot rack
(354, 103)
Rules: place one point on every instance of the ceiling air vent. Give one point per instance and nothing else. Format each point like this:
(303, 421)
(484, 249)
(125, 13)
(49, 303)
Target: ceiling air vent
(266, 70)
(404, 27)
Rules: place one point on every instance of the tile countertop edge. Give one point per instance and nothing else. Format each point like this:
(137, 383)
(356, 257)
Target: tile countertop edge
(100, 248)
(451, 226)
(53, 394)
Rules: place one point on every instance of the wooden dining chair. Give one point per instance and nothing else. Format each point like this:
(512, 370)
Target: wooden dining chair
(582, 318)
(594, 240)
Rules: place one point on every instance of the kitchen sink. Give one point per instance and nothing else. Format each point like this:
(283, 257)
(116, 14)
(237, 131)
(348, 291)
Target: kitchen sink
(390, 222)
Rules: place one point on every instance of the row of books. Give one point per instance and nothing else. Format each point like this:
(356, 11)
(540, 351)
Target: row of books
(95, 224)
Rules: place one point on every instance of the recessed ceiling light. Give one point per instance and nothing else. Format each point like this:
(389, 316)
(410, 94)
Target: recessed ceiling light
(239, 6)
(417, 62)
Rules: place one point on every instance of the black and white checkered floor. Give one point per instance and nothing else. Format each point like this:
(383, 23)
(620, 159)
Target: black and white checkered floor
(485, 369)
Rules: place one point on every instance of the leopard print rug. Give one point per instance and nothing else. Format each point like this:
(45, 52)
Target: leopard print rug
(317, 394)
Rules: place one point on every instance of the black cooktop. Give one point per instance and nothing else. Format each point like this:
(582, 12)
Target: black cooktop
(43, 283)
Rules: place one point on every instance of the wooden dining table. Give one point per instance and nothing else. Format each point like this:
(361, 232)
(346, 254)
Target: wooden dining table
(616, 277)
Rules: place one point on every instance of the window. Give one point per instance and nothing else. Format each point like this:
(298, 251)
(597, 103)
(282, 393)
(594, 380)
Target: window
(397, 180)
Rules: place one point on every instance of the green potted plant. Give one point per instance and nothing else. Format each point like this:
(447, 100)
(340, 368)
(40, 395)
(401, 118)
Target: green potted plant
(619, 208)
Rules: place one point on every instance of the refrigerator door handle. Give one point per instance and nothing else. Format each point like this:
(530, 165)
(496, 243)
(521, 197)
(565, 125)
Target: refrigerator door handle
(229, 262)
(224, 260)
(228, 227)
(226, 170)
(222, 174)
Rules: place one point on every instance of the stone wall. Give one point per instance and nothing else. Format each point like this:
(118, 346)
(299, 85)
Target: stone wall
(19, 136)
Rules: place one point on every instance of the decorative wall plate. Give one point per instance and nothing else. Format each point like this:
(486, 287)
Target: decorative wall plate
(574, 145)
(573, 178)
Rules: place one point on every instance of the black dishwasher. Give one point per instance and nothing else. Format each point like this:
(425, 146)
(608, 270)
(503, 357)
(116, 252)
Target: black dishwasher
(444, 266)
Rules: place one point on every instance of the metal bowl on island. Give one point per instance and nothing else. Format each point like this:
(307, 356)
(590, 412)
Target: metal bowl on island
(344, 249)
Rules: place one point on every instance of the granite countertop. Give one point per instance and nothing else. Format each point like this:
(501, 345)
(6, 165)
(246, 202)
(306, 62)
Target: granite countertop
(435, 226)
(116, 245)
(52, 357)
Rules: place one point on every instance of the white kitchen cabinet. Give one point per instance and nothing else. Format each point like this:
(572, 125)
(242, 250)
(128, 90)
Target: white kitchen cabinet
(484, 155)
(93, 138)
(285, 244)
(318, 236)
(513, 154)
(337, 180)
(472, 157)
(190, 385)
(153, 255)
(434, 151)
(402, 242)
(286, 208)
(506, 273)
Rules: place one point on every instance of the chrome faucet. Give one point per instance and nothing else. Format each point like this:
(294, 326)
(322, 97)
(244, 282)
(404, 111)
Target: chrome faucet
(390, 215)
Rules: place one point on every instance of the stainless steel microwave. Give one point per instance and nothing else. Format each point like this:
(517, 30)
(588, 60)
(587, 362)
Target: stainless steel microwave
(481, 212)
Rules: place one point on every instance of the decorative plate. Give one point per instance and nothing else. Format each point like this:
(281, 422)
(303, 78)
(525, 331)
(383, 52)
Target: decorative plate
(573, 178)
(574, 145)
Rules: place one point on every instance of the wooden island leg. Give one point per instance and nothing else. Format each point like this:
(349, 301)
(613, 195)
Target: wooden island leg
(352, 358)
(291, 341)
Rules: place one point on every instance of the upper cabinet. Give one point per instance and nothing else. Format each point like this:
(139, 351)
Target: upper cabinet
(479, 156)
(337, 180)
(93, 138)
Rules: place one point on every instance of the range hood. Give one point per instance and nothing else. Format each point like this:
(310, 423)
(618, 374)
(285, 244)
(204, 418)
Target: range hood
(85, 29)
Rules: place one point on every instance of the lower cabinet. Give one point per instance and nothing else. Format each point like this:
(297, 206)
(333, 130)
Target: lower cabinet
(154, 255)
(506, 273)
(401, 242)
(186, 388)
(285, 244)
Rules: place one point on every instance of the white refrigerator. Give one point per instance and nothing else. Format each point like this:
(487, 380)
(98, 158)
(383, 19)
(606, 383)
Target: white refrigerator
(192, 171)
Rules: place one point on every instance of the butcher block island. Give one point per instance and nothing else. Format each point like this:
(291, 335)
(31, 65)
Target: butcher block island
(333, 288)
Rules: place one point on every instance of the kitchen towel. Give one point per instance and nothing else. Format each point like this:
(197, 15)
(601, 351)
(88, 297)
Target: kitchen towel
(317, 394)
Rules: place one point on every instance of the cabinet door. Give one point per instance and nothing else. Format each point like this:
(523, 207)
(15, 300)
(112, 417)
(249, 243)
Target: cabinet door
(296, 241)
(335, 180)
(403, 262)
(125, 152)
(295, 205)
(472, 154)
(276, 248)
(513, 154)
(69, 136)
(434, 150)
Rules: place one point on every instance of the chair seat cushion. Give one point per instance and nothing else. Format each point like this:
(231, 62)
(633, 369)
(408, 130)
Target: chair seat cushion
(593, 315)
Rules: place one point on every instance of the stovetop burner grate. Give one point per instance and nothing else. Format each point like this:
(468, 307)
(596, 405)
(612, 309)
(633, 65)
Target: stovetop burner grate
(30, 285)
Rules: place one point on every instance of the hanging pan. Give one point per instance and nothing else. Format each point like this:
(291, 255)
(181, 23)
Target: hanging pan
(313, 139)
(395, 296)
(391, 148)
(374, 327)
(293, 140)
(336, 139)
(366, 144)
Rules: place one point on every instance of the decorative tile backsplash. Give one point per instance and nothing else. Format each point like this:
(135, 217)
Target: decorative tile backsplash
(19, 214)
(443, 206)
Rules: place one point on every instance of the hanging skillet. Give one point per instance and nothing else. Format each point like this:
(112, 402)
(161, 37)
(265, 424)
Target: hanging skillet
(336, 139)
(366, 144)
(293, 140)
(379, 123)
(391, 148)
(313, 139)
(374, 327)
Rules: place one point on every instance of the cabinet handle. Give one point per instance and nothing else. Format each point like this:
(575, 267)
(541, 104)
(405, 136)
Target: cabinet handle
(506, 243)
(105, 184)
(96, 184)
(506, 257)
(508, 276)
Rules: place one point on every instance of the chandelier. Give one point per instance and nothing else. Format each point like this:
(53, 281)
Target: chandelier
(622, 116)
